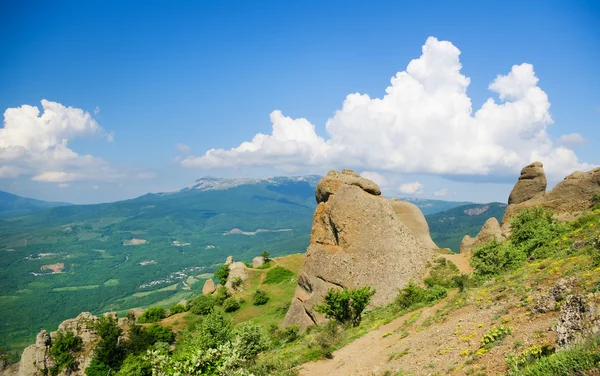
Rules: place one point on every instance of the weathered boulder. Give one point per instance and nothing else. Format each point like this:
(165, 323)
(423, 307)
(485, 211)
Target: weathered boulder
(531, 184)
(236, 270)
(579, 319)
(258, 261)
(411, 216)
(209, 287)
(356, 240)
(557, 293)
(489, 231)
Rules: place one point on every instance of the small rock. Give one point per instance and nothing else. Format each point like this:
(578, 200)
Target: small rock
(258, 261)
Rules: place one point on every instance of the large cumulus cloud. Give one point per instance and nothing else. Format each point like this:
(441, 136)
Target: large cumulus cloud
(424, 123)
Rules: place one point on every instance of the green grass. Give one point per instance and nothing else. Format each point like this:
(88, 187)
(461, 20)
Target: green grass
(278, 275)
(111, 282)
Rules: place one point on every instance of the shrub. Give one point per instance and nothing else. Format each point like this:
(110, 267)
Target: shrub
(63, 348)
(236, 283)
(202, 305)
(231, 305)
(494, 335)
(177, 308)
(260, 298)
(346, 306)
(277, 275)
(494, 257)
(159, 333)
(109, 352)
(461, 281)
(266, 255)
(413, 294)
(153, 314)
(528, 356)
(442, 274)
(533, 230)
(214, 330)
(135, 366)
(287, 335)
(222, 273)
(221, 295)
(251, 340)
(327, 338)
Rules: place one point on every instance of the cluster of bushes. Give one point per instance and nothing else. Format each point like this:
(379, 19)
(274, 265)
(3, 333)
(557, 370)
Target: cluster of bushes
(204, 304)
(534, 235)
(412, 295)
(214, 348)
(113, 355)
(63, 350)
(346, 306)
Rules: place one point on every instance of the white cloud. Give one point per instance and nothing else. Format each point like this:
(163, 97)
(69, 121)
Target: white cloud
(37, 144)
(411, 188)
(378, 179)
(146, 175)
(9, 172)
(95, 187)
(183, 148)
(442, 192)
(571, 139)
(424, 123)
(63, 185)
(57, 176)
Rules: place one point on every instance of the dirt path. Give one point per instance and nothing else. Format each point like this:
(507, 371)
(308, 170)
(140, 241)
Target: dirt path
(370, 351)
(461, 260)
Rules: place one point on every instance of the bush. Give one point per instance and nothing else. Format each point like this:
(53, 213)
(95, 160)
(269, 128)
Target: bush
(346, 306)
(159, 333)
(266, 255)
(222, 273)
(202, 305)
(153, 314)
(287, 335)
(260, 298)
(251, 340)
(109, 352)
(221, 295)
(327, 338)
(63, 348)
(493, 258)
(214, 330)
(533, 231)
(135, 366)
(494, 335)
(413, 294)
(461, 281)
(442, 274)
(231, 305)
(277, 275)
(236, 283)
(177, 308)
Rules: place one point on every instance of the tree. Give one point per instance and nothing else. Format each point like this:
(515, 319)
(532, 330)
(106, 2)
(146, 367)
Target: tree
(346, 306)
(109, 353)
(222, 273)
(202, 305)
(231, 305)
(63, 348)
(266, 255)
(153, 314)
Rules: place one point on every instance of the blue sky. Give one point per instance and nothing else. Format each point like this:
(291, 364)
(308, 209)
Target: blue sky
(208, 75)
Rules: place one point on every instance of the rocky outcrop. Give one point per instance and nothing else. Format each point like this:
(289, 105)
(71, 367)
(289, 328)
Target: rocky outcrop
(36, 358)
(236, 270)
(579, 319)
(356, 240)
(229, 260)
(557, 293)
(258, 261)
(575, 193)
(491, 230)
(209, 287)
(411, 216)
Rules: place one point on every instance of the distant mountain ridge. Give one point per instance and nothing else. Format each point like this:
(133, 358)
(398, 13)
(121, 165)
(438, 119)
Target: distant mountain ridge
(11, 204)
(208, 183)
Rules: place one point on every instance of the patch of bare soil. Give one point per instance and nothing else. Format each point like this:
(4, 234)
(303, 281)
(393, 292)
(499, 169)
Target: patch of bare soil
(461, 260)
(134, 241)
(56, 268)
(423, 343)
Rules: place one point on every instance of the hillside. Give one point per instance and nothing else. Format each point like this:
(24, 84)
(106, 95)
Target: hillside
(13, 205)
(449, 227)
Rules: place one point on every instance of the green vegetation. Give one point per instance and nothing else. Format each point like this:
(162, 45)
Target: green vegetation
(177, 308)
(202, 305)
(495, 335)
(63, 348)
(153, 314)
(412, 295)
(231, 305)
(260, 298)
(443, 273)
(277, 275)
(265, 255)
(222, 273)
(534, 236)
(346, 306)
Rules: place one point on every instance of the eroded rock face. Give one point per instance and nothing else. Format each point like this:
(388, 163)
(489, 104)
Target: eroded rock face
(557, 293)
(236, 270)
(579, 319)
(356, 240)
(411, 216)
(209, 287)
(489, 231)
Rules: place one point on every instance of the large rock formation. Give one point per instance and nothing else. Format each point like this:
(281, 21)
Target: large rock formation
(258, 261)
(411, 216)
(356, 240)
(491, 230)
(531, 184)
(236, 270)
